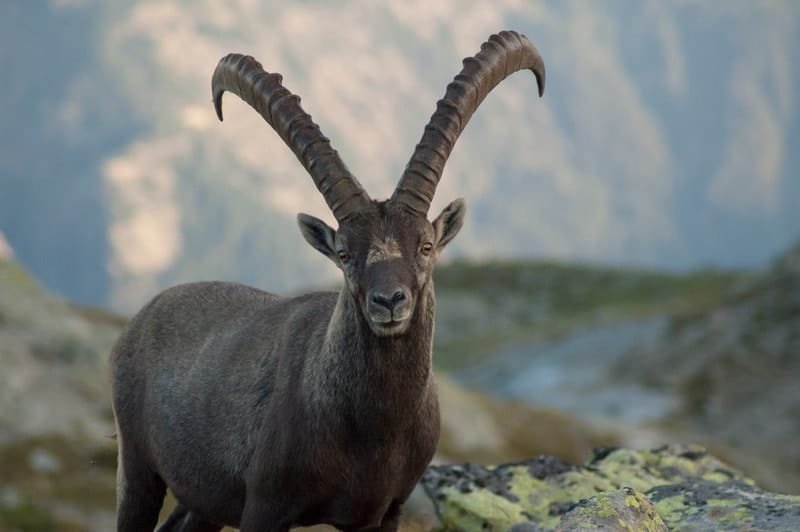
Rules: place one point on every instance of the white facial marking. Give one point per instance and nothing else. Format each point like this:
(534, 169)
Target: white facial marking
(386, 250)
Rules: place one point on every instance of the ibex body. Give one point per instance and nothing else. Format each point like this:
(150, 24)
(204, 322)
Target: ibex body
(263, 412)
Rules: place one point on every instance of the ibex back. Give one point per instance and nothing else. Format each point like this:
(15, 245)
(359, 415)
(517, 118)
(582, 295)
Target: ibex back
(262, 412)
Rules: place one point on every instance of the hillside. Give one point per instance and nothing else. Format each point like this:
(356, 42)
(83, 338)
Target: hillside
(56, 457)
(736, 367)
(608, 356)
(712, 355)
(486, 307)
(56, 460)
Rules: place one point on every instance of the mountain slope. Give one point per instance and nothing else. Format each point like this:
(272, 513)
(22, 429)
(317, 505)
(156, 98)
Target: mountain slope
(736, 367)
(57, 459)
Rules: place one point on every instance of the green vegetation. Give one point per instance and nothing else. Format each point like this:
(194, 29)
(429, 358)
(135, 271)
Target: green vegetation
(23, 515)
(734, 367)
(57, 468)
(484, 307)
(45, 473)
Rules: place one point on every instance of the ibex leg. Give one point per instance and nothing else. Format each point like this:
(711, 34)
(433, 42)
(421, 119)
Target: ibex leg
(183, 520)
(140, 494)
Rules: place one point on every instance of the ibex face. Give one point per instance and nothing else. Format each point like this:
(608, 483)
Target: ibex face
(387, 256)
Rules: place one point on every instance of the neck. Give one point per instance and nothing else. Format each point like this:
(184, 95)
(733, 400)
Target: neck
(376, 381)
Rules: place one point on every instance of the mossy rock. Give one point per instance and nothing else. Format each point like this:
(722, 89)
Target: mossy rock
(624, 509)
(676, 487)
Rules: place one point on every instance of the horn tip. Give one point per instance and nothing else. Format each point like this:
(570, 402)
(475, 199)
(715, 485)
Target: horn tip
(539, 72)
(218, 104)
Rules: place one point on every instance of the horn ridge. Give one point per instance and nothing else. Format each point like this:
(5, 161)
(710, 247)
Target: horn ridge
(500, 56)
(280, 108)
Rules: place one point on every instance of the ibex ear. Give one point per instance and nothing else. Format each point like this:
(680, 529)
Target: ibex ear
(449, 222)
(319, 234)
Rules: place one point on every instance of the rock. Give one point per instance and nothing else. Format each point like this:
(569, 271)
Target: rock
(625, 508)
(675, 487)
(43, 461)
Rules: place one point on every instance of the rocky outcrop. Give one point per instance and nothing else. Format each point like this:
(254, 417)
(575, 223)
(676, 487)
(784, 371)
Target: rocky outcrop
(671, 488)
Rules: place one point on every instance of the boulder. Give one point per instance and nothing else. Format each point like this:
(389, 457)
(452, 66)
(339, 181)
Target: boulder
(675, 487)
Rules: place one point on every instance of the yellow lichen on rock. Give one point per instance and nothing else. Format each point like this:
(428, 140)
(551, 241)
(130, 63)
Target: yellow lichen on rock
(678, 487)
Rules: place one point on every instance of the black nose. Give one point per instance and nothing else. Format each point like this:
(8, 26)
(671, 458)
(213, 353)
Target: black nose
(388, 302)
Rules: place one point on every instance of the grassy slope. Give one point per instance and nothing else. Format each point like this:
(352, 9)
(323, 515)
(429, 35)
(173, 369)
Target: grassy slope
(57, 352)
(483, 307)
(57, 465)
(736, 368)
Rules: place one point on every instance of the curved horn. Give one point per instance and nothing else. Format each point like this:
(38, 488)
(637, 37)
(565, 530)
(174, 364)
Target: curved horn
(245, 77)
(499, 57)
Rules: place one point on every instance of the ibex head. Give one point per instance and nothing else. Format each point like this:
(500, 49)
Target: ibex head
(386, 249)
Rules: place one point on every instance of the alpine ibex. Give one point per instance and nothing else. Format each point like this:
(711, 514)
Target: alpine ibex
(263, 412)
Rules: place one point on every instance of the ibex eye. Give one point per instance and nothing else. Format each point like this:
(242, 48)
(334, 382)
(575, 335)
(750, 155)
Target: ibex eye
(426, 248)
(343, 256)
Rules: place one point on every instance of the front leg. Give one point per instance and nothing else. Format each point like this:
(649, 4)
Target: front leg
(390, 521)
(183, 520)
(260, 515)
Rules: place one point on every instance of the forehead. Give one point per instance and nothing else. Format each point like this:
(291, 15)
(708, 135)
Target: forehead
(386, 226)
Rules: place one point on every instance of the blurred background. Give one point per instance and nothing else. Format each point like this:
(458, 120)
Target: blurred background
(628, 274)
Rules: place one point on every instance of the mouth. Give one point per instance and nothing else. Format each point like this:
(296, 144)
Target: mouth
(390, 327)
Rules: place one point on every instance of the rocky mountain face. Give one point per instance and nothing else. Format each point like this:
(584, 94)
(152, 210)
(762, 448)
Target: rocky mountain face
(663, 138)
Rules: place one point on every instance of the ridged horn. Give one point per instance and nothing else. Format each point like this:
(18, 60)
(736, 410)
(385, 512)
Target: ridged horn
(499, 57)
(245, 77)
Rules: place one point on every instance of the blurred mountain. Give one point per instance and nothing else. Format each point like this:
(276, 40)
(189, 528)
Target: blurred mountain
(712, 355)
(736, 367)
(56, 457)
(56, 353)
(663, 138)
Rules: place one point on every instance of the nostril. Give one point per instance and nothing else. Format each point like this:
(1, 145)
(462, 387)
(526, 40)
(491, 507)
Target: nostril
(386, 301)
(378, 299)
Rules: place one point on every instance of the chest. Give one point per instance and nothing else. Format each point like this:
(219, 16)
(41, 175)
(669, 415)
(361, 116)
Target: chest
(357, 491)
(354, 468)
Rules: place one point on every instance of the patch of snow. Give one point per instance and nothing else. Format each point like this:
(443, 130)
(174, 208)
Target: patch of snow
(6, 253)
